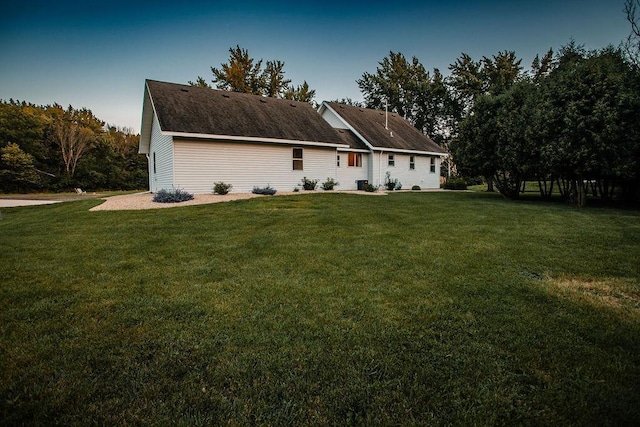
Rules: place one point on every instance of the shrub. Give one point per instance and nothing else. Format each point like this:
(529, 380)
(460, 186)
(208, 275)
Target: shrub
(416, 188)
(174, 196)
(391, 184)
(265, 190)
(370, 188)
(455, 184)
(221, 188)
(309, 184)
(329, 184)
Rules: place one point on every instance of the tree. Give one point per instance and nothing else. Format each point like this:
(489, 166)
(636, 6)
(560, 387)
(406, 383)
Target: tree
(632, 44)
(592, 103)
(244, 74)
(200, 82)
(466, 80)
(275, 83)
(500, 72)
(406, 88)
(74, 131)
(394, 85)
(301, 93)
(348, 101)
(17, 171)
(240, 74)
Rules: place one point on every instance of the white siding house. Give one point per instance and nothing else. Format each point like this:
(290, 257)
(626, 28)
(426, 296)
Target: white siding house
(389, 145)
(194, 137)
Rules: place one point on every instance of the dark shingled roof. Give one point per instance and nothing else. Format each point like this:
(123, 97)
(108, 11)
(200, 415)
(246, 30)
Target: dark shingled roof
(370, 124)
(351, 139)
(197, 110)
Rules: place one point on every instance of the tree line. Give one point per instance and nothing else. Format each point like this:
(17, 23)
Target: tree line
(570, 125)
(51, 148)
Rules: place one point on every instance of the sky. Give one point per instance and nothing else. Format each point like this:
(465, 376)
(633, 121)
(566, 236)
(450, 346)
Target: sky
(97, 54)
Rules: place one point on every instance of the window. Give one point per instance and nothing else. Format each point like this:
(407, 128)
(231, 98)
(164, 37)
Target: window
(355, 159)
(297, 159)
(433, 165)
(412, 162)
(338, 160)
(154, 162)
(392, 160)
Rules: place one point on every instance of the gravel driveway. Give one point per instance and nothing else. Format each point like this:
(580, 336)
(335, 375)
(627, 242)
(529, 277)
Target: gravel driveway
(140, 201)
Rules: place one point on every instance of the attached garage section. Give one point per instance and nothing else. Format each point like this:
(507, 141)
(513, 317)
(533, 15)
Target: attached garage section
(198, 165)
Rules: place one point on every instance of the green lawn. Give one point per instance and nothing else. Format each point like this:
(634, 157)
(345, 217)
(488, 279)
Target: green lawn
(412, 308)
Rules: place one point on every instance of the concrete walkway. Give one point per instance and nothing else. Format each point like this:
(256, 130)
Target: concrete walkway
(12, 203)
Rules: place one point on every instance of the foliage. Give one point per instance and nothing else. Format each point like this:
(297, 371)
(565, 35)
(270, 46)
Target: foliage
(391, 184)
(455, 183)
(309, 184)
(244, 74)
(176, 195)
(71, 148)
(405, 87)
(370, 188)
(268, 190)
(573, 121)
(496, 313)
(416, 188)
(17, 171)
(300, 93)
(329, 184)
(221, 188)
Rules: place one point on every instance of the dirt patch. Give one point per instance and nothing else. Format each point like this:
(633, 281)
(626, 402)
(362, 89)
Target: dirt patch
(612, 293)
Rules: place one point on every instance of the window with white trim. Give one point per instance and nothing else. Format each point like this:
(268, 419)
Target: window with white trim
(433, 165)
(355, 159)
(412, 162)
(338, 160)
(391, 160)
(297, 159)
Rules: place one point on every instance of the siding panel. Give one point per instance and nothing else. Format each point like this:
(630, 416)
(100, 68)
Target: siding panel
(198, 165)
(161, 151)
(421, 175)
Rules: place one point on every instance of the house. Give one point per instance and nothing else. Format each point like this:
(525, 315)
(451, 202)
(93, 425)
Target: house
(194, 137)
(390, 145)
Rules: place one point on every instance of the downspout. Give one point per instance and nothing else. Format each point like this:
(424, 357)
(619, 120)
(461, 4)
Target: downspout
(149, 169)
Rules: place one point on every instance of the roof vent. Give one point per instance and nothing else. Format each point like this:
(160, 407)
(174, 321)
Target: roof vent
(184, 90)
(293, 105)
(224, 95)
(361, 110)
(264, 101)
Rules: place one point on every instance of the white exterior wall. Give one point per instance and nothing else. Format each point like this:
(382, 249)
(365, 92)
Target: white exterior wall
(421, 175)
(348, 175)
(333, 120)
(198, 165)
(160, 151)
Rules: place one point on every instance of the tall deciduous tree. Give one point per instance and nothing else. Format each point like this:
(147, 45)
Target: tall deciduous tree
(405, 87)
(632, 44)
(75, 131)
(395, 85)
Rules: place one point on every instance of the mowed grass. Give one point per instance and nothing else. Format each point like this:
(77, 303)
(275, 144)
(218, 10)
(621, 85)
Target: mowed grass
(323, 309)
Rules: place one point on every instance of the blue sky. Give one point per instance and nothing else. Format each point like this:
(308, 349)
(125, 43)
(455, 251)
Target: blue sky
(97, 54)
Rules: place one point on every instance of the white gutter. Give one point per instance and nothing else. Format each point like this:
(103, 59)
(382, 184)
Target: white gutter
(395, 150)
(254, 139)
